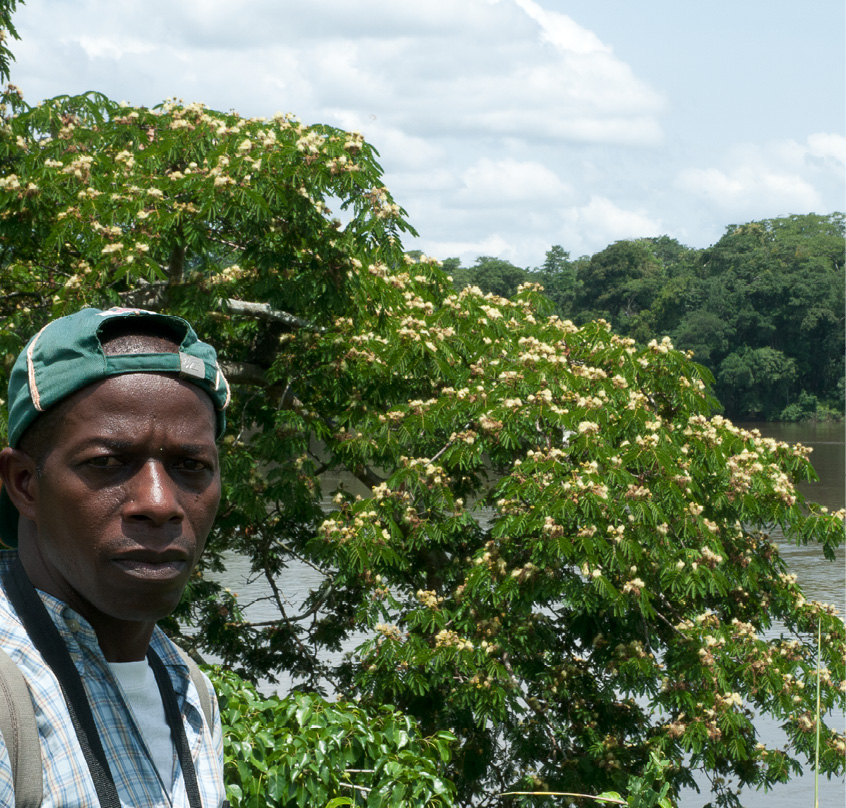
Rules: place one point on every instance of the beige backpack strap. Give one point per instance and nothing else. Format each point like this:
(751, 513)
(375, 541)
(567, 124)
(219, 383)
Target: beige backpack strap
(20, 732)
(200, 683)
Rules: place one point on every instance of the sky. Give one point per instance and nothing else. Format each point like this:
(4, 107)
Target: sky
(504, 127)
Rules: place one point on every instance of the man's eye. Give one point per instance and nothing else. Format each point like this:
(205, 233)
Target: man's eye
(104, 462)
(191, 464)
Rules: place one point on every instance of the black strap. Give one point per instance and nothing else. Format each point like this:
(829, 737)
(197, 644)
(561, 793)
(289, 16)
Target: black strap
(177, 728)
(47, 639)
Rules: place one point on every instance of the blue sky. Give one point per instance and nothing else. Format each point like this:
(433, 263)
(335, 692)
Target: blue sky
(504, 126)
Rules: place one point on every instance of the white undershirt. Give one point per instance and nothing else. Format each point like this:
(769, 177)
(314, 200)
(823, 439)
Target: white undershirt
(139, 684)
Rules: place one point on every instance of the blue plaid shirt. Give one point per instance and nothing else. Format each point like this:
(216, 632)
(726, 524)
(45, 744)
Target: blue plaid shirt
(67, 782)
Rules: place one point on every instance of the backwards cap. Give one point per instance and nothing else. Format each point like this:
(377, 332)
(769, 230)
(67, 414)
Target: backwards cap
(67, 355)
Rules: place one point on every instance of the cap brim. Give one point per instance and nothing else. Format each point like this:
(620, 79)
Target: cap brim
(8, 520)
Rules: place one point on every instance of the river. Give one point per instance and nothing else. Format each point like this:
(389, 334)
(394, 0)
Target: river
(820, 580)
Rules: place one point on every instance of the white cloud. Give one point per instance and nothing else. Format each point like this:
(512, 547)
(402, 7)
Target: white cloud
(581, 230)
(458, 97)
(477, 67)
(712, 183)
(600, 222)
(494, 245)
(775, 178)
(828, 147)
(438, 181)
(561, 31)
(102, 47)
(503, 126)
(745, 188)
(505, 182)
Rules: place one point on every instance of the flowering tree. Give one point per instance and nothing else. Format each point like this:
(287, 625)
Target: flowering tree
(558, 553)
(7, 30)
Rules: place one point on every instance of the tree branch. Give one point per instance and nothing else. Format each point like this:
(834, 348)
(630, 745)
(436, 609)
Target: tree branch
(152, 295)
(252, 375)
(243, 373)
(362, 789)
(277, 597)
(264, 311)
(176, 267)
(146, 295)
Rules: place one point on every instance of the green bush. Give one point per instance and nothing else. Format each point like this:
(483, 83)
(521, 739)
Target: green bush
(304, 751)
(809, 408)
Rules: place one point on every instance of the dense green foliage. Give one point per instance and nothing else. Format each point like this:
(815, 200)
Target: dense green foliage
(7, 30)
(555, 550)
(762, 308)
(303, 751)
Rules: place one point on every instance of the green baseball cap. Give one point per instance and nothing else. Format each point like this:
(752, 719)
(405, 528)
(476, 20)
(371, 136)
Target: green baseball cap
(67, 355)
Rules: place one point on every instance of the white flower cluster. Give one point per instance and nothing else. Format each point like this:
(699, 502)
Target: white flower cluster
(633, 587)
(389, 632)
(615, 532)
(126, 158)
(634, 491)
(665, 346)
(428, 598)
(588, 428)
(311, 142)
(447, 638)
(728, 700)
(591, 402)
(80, 167)
(710, 558)
(590, 373)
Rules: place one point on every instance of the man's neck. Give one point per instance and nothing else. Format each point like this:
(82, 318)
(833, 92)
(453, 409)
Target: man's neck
(128, 644)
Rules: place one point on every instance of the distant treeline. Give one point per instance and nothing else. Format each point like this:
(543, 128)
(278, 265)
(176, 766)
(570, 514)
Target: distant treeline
(762, 309)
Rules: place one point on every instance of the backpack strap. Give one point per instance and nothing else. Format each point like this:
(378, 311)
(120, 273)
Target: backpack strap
(20, 732)
(199, 681)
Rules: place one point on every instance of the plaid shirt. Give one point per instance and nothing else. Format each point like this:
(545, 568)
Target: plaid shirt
(67, 782)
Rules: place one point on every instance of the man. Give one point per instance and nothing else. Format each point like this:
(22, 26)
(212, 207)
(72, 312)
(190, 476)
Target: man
(110, 486)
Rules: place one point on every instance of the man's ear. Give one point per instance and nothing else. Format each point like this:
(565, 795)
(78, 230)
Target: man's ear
(18, 471)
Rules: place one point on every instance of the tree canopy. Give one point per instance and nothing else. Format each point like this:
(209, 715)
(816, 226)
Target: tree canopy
(778, 287)
(7, 31)
(762, 308)
(555, 548)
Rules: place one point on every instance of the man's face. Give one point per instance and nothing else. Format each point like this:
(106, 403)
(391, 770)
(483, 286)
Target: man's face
(127, 496)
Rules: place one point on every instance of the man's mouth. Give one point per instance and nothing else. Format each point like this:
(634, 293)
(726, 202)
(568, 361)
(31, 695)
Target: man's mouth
(153, 566)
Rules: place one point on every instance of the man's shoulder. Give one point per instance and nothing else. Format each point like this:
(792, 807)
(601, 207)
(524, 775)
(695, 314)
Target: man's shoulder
(13, 636)
(7, 558)
(170, 653)
(184, 672)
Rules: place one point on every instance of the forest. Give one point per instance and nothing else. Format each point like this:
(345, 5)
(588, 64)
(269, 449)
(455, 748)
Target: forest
(762, 309)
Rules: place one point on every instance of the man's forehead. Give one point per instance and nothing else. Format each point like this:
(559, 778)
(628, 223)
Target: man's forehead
(163, 394)
(158, 412)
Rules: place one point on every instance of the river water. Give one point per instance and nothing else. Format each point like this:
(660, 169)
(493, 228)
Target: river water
(820, 580)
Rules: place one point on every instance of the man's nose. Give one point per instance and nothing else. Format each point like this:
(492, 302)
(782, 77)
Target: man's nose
(153, 494)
